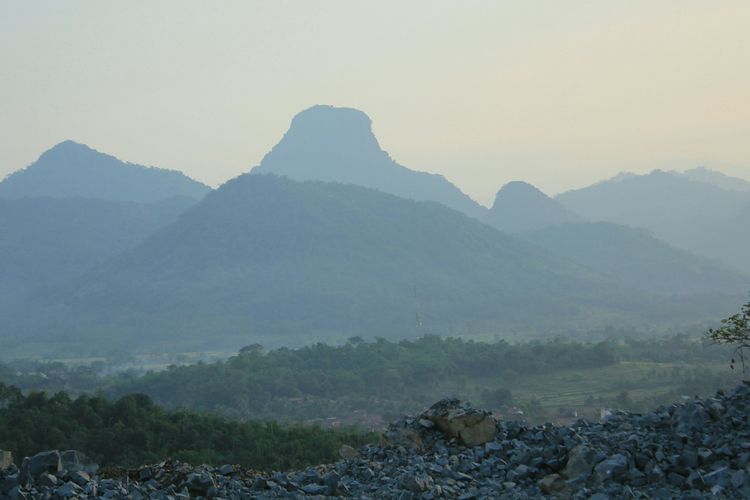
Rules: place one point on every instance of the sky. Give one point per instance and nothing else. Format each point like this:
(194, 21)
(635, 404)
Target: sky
(559, 94)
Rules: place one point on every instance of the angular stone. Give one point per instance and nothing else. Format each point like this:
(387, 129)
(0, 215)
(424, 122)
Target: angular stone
(33, 467)
(226, 470)
(200, 483)
(581, 460)
(551, 484)
(81, 478)
(46, 480)
(417, 483)
(315, 489)
(676, 480)
(613, 467)
(67, 490)
(470, 425)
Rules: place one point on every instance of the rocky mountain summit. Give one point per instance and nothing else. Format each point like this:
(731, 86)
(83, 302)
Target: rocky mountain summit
(699, 448)
(332, 144)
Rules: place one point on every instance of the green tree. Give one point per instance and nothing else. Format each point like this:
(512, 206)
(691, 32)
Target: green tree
(734, 331)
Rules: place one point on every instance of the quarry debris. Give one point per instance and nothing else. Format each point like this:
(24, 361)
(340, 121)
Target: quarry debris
(696, 449)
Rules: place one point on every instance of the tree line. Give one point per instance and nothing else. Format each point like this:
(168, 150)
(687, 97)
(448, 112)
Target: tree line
(132, 430)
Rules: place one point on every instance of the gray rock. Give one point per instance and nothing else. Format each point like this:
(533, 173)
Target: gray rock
(225, 470)
(81, 478)
(67, 490)
(417, 483)
(472, 426)
(614, 467)
(552, 484)
(44, 462)
(315, 489)
(46, 480)
(581, 460)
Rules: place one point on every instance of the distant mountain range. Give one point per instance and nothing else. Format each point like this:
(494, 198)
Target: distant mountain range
(332, 144)
(329, 238)
(703, 174)
(636, 259)
(698, 216)
(74, 170)
(633, 257)
(264, 256)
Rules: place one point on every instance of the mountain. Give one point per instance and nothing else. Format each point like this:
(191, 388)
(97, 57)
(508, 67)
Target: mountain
(633, 257)
(337, 145)
(45, 241)
(696, 216)
(522, 207)
(269, 259)
(638, 260)
(707, 175)
(74, 170)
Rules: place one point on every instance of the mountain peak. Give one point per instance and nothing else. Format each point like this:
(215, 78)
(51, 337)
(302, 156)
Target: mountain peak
(69, 152)
(334, 117)
(71, 169)
(519, 189)
(519, 206)
(322, 141)
(332, 144)
(68, 144)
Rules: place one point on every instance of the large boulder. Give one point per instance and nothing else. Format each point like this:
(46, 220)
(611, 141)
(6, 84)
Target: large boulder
(459, 420)
(44, 462)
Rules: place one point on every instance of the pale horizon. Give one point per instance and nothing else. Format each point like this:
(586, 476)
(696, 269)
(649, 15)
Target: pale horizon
(557, 95)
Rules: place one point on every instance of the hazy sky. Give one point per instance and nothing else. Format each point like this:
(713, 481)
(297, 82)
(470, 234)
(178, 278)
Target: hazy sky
(557, 93)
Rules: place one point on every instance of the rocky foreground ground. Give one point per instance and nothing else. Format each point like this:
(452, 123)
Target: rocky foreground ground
(700, 448)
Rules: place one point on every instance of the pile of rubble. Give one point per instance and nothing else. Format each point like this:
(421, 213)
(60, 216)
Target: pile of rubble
(700, 448)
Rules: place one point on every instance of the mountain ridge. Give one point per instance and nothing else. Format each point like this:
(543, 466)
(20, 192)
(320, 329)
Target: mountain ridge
(697, 216)
(71, 169)
(268, 256)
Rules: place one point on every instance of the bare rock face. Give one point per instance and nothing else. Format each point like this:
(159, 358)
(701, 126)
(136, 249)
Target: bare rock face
(459, 420)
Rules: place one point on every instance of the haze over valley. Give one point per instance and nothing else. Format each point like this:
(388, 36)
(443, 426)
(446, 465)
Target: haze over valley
(330, 238)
